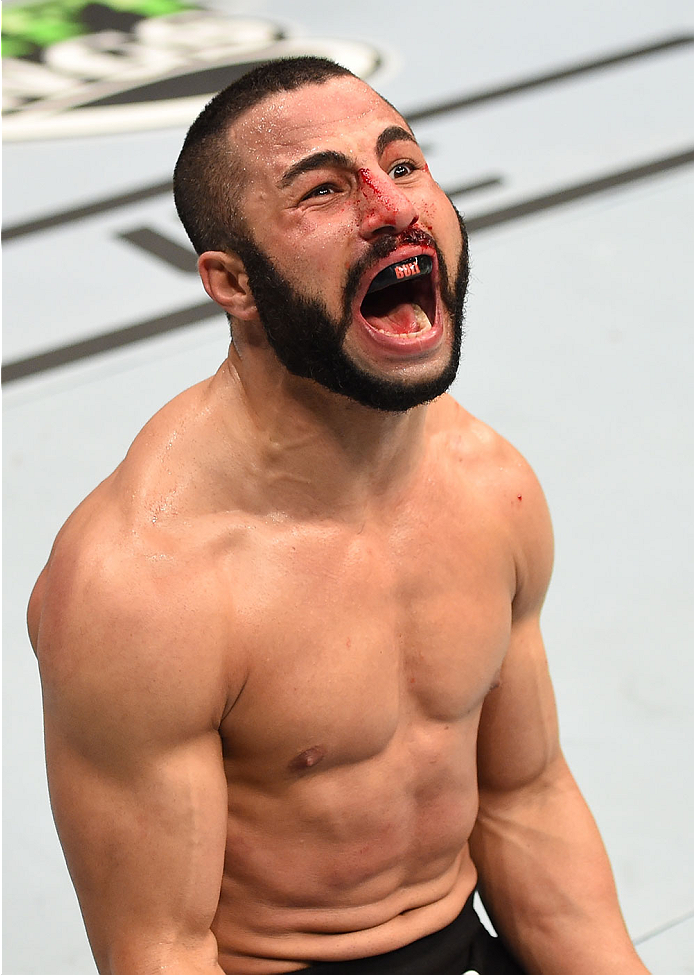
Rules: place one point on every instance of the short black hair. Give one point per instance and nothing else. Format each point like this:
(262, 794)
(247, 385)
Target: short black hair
(207, 185)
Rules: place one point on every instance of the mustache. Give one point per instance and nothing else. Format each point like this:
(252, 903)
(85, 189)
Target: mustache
(381, 248)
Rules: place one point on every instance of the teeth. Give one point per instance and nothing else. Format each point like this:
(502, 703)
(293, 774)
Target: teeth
(420, 316)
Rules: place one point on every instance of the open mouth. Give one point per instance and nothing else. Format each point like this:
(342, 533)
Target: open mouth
(400, 299)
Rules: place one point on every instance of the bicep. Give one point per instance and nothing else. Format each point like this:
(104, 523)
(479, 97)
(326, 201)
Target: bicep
(138, 790)
(518, 736)
(144, 839)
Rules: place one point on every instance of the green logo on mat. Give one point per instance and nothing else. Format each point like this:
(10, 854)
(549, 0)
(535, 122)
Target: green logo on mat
(73, 67)
(28, 29)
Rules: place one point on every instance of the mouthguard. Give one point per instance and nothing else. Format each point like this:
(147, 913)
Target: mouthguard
(413, 267)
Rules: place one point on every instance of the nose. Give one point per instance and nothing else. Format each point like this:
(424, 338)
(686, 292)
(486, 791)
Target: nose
(384, 206)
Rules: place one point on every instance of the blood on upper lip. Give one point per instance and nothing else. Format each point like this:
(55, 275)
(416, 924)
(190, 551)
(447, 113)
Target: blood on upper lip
(413, 235)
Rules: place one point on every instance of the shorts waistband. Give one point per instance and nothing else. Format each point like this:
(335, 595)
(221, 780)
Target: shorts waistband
(438, 952)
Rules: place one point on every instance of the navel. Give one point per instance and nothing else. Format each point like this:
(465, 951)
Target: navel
(308, 758)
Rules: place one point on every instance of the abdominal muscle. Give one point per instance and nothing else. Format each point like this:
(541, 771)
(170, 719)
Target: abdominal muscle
(348, 862)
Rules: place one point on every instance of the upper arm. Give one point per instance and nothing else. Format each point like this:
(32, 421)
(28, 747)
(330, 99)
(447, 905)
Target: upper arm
(518, 736)
(134, 766)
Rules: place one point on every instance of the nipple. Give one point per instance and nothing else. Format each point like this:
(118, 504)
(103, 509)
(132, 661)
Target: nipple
(308, 758)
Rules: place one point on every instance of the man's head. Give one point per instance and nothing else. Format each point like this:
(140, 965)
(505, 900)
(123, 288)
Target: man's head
(315, 216)
(208, 178)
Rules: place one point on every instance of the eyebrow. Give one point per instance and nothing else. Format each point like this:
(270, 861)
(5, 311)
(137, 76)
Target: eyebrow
(330, 157)
(394, 133)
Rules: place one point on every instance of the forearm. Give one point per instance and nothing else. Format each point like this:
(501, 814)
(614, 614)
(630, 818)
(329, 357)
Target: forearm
(547, 882)
(140, 956)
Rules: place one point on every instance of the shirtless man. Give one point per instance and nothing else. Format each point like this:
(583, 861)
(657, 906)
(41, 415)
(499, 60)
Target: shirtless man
(297, 706)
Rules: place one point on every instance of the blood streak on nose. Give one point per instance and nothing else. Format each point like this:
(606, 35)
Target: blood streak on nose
(367, 178)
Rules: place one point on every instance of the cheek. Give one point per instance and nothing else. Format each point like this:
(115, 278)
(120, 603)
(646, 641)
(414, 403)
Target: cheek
(439, 219)
(317, 245)
(437, 209)
(332, 241)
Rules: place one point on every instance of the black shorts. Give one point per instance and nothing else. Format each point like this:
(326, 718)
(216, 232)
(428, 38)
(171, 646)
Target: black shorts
(463, 946)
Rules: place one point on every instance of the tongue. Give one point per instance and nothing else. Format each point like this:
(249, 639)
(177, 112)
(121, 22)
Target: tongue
(403, 319)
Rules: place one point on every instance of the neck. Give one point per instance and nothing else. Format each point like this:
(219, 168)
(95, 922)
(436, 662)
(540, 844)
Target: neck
(311, 451)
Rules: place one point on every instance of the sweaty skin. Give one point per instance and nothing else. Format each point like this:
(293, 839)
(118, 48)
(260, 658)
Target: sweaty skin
(340, 660)
(295, 694)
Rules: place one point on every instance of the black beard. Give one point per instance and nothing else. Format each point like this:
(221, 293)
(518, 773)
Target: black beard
(308, 341)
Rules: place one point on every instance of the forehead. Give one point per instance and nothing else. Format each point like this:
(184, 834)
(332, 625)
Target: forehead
(342, 113)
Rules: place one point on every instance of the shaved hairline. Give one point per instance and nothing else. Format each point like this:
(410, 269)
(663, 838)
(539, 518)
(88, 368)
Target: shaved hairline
(216, 164)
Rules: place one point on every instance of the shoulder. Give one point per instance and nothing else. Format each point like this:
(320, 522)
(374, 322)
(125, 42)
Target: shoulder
(506, 489)
(125, 631)
(132, 533)
(477, 447)
(135, 593)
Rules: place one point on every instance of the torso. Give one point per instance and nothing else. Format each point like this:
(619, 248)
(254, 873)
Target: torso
(357, 657)
(372, 653)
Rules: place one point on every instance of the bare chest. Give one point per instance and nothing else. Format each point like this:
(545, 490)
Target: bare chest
(352, 638)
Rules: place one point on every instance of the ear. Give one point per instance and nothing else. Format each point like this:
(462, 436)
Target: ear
(226, 282)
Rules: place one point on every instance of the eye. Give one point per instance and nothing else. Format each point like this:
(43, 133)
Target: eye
(325, 189)
(401, 169)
